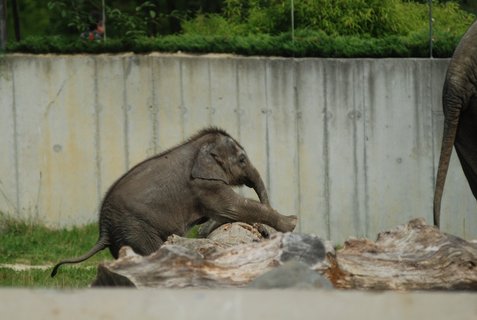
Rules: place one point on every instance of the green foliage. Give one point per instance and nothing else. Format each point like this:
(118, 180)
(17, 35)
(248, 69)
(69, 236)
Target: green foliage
(449, 18)
(323, 28)
(349, 17)
(72, 17)
(307, 43)
(374, 18)
(212, 24)
(34, 16)
(126, 18)
(76, 16)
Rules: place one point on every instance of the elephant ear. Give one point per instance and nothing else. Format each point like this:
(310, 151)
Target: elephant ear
(208, 165)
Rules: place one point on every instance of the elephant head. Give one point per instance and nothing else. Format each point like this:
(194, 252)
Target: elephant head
(224, 159)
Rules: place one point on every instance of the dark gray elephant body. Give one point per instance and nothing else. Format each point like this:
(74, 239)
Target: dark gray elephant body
(184, 186)
(459, 99)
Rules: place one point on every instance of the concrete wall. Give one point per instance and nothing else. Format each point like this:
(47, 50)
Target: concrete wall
(234, 304)
(351, 145)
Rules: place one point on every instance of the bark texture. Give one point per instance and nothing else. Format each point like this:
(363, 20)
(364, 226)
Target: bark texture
(415, 256)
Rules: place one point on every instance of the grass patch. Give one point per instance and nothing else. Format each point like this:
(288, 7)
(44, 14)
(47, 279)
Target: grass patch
(67, 278)
(33, 244)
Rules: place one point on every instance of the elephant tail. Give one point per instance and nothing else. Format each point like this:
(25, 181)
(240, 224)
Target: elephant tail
(450, 131)
(101, 244)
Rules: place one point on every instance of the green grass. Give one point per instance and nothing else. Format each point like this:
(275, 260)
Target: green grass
(67, 278)
(33, 244)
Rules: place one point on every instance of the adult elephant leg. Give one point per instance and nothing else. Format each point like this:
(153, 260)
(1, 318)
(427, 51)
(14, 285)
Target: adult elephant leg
(466, 145)
(469, 170)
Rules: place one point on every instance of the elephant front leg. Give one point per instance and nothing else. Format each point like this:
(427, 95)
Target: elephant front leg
(221, 203)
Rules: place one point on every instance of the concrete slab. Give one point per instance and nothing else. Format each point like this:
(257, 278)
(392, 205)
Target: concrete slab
(233, 304)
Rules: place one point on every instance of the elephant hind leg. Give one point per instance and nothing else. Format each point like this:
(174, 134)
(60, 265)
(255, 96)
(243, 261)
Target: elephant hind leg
(470, 172)
(466, 146)
(141, 237)
(470, 169)
(147, 244)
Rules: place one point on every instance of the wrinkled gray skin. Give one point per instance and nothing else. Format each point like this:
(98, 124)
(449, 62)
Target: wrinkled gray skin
(173, 191)
(459, 99)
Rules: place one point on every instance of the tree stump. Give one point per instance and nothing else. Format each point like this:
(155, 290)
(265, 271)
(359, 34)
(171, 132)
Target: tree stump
(414, 256)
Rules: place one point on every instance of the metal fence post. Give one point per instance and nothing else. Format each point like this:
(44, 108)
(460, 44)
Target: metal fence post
(104, 20)
(292, 13)
(430, 28)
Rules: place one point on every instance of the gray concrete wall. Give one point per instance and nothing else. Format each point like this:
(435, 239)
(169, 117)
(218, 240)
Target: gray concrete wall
(351, 145)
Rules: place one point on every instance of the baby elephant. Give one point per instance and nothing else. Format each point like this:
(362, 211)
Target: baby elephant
(179, 188)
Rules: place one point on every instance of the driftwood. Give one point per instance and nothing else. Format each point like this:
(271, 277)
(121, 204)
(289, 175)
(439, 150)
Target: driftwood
(414, 256)
(232, 256)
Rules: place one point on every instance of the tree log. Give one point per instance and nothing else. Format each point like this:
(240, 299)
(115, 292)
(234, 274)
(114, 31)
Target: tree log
(232, 256)
(414, 256)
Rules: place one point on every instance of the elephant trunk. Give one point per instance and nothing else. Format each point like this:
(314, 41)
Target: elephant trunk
(257, 184)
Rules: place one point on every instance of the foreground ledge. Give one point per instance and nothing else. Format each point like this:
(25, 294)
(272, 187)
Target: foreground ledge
(222, 304)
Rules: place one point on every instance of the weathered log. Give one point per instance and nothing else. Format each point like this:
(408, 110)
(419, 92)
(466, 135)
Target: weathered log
(415, 256)
(232, 256)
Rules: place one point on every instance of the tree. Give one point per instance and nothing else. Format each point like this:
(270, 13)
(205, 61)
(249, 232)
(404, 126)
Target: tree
(16, 20)
(3, 24)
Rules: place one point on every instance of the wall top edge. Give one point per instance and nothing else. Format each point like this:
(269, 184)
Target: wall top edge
(183, 55)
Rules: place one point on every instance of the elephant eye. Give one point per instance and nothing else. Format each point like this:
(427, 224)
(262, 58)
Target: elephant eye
(242, 159)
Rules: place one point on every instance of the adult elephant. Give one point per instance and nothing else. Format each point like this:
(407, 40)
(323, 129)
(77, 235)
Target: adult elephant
(171, 192)
(459, 99)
